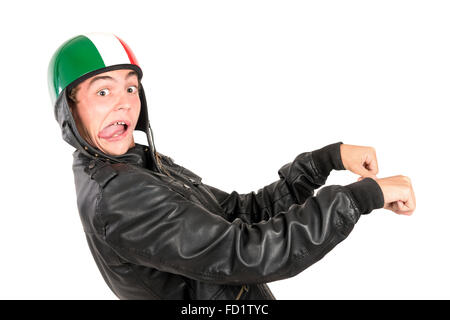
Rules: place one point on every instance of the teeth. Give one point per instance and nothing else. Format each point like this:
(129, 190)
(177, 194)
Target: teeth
(117, 123)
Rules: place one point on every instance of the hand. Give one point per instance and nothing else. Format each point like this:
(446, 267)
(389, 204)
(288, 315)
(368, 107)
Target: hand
(398, 194)
(359, 160)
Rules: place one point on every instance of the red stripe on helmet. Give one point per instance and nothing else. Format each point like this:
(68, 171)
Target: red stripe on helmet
(130, 53)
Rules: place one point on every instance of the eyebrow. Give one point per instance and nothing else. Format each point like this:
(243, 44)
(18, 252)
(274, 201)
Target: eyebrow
(131, 73)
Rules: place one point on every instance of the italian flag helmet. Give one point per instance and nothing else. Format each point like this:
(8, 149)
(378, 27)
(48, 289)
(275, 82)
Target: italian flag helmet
(85, 55)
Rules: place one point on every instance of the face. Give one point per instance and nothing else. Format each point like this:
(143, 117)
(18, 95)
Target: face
(107, 110)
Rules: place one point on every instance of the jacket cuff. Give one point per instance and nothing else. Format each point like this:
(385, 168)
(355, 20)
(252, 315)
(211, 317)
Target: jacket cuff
(367, 195)
(328, 158)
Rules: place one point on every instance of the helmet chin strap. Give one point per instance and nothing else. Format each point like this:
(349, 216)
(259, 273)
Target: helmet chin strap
(151, 143)
(144, 125)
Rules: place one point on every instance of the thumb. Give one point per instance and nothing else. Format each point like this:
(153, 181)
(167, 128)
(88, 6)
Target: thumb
(366, 173)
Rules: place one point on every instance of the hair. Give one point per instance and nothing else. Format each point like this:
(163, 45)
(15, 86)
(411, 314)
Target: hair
(72, 98)
(73, 94)
(160, 164)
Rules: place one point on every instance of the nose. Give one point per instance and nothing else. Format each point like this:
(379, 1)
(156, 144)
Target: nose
(123, 102)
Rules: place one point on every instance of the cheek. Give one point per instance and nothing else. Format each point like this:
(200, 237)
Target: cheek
(92, 116)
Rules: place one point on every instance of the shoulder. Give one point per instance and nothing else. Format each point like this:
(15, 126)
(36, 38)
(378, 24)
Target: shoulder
(127, 180)
(110, 175)
(98, 170)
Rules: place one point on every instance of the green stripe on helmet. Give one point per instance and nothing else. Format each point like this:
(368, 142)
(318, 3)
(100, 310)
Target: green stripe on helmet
(72, 59)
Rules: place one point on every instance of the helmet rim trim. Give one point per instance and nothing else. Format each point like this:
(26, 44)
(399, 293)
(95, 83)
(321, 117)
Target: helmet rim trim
(92, 73)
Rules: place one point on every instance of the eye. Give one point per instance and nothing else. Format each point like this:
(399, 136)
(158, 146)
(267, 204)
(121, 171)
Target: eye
(103, 92)
(132, 89)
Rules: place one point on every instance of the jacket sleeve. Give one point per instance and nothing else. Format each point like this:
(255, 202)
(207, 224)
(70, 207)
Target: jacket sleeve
(298, 180)
(148, 224)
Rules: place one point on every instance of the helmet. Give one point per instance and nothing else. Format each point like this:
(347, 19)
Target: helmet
(80, 58)
(85, 55)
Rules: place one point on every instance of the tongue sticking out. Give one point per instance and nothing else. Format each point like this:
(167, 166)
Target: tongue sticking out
(112, 130)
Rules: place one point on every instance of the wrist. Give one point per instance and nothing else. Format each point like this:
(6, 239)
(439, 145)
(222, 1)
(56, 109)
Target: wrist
(367, 194)
(328, 158)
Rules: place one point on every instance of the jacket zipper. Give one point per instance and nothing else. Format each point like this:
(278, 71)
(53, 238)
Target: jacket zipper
(244, 287)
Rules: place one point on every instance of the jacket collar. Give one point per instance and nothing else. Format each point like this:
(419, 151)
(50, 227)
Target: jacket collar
(137, 155)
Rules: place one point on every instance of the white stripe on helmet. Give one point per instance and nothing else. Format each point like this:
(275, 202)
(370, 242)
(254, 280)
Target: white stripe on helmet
(109, 47)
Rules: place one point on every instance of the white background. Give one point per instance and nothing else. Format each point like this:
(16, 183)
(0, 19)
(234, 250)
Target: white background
(237, 89)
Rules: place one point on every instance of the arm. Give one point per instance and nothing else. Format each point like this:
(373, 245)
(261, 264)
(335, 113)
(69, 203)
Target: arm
(298, 180)
(150, 225)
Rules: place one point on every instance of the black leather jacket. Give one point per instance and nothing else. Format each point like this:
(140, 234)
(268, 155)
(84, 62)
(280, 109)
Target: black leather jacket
(156, 231)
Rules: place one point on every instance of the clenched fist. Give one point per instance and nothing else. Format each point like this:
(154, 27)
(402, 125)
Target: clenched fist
(359, 160)
(398, 194)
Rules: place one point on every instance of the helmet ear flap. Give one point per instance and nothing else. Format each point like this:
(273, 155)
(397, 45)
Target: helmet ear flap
(143, 121)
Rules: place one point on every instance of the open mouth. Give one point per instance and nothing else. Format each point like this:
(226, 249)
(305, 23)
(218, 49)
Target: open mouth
(115, 130)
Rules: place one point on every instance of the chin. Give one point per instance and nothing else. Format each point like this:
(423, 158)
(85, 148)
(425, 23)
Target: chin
(116, 148)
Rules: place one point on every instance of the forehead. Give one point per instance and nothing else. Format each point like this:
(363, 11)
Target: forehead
(121, 73)
(115, 76)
